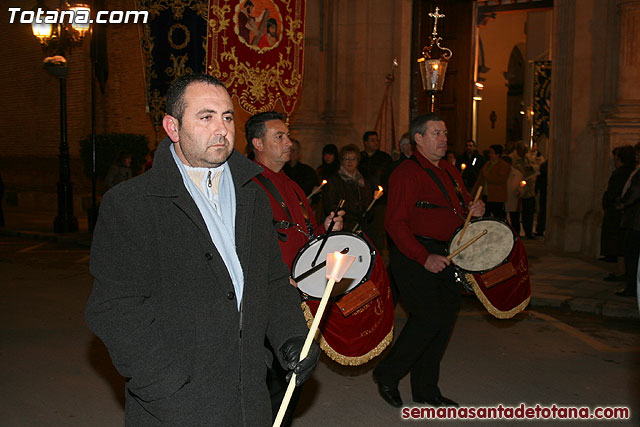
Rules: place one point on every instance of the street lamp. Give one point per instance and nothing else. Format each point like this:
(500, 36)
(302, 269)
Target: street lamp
(58, 39)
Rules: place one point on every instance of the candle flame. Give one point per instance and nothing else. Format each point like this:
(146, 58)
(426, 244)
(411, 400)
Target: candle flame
(324, 181)
(463, 166)
(380, 187)
(523, 183)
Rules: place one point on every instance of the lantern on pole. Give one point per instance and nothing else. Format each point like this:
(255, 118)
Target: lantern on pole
(433, 68)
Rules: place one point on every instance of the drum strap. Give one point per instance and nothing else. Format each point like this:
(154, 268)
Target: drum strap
(280, 225)
(441, 187)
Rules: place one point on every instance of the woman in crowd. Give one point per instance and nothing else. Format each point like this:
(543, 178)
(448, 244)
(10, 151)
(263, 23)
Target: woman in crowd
(348, 184)
(330, 164)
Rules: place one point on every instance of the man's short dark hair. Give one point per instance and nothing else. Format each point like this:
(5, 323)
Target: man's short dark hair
(419, 124)
(175, 94)
(496, 149)
(255, 126)
(367, 134)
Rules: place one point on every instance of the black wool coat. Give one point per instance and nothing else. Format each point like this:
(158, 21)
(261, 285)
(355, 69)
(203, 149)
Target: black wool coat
(164, 304)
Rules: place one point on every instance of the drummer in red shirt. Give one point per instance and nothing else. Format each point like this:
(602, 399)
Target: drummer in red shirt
(429, 202)
(268, 136)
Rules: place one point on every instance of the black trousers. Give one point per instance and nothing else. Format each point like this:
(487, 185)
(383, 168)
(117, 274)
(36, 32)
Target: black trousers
(631, 255)
(528, 209)
(433, 301)
(495, 209)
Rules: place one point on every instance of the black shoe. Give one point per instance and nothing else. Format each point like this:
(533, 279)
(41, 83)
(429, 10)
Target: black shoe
(624, 292)
(390, 394)
(439, 401)
(539, 234)
(530, 237)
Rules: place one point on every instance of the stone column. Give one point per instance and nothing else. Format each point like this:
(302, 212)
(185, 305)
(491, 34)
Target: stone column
(624, 118)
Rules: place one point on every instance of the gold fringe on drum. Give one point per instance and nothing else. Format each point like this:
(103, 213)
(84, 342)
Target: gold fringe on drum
(340, 358)
(500, 314)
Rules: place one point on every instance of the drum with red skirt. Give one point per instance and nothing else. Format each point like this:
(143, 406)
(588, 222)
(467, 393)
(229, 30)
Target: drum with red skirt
(495, 266)
(358, 322)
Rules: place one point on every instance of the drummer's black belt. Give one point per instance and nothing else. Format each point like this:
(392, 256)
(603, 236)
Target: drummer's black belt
(428, 205)
(434, 246)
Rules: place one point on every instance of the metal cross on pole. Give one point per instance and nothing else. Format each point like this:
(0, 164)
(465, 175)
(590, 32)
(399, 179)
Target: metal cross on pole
(436, 16)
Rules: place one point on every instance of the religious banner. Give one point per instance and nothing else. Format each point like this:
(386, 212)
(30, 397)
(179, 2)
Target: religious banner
(174, 44)
(256, 48)
(541, 98)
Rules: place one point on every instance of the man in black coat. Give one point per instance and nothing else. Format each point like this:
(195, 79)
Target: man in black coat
(189, 280)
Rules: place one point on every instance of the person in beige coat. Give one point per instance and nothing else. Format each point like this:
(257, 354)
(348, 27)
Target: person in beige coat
(493, 179)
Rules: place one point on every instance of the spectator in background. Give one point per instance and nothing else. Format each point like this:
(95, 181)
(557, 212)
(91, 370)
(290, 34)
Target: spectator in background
(120, 171)
(541, 192)
(300, 173)
(512, 204)
(406, 150)
(523, 164)
(375, 166)
(536, 159)
(330, 163)
(629, 205)
(450, 157)
(472, 161)
(612, 236)
(350, 185)
(493, 179)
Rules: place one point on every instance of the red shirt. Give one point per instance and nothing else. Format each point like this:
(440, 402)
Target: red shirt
(288, 190)
(409, 184)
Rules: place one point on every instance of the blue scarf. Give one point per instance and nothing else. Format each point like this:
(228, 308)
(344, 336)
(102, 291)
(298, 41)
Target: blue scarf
(219, 214)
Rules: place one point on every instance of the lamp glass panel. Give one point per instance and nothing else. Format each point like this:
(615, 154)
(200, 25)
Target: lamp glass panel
(432, 72)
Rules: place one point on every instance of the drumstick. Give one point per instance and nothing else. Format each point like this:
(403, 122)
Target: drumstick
(466, 222)
(466, 245)
(312, 270)
(338, 268)
(326, 235)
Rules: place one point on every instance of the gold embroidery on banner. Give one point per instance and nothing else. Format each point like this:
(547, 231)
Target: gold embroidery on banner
(258, 86)
(187, 36)
(219, 23)
(178, 69)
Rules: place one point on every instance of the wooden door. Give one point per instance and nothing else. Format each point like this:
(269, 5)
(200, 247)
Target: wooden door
(454, 104)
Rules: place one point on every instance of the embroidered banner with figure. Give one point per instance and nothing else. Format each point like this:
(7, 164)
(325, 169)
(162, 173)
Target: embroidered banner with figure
(174, 43)
(256, 48)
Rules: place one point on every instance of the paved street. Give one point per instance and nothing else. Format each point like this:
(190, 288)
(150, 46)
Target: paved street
(54, 372)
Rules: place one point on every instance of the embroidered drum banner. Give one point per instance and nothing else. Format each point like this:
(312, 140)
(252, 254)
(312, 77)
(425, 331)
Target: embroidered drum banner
(255, 47)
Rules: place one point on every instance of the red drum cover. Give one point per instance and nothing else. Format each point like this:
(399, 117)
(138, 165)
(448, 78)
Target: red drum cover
(508, 298)
(361, 336)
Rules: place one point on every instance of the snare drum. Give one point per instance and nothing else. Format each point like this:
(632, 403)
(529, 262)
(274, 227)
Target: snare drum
(313, 285)
(358, 321)
(495, 266)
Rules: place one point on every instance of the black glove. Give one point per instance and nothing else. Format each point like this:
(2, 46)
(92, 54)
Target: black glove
(303, 369)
